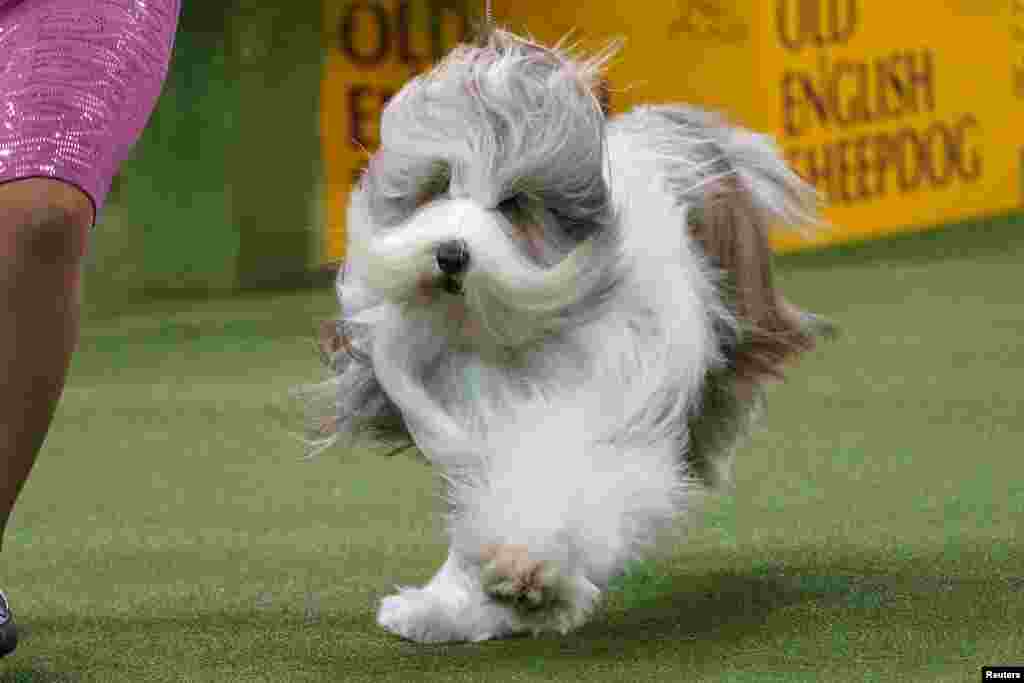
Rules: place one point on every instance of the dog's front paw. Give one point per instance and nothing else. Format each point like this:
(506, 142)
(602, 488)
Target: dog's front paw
(426, 616)
(539, 590)
(417, 615)
(511, 576)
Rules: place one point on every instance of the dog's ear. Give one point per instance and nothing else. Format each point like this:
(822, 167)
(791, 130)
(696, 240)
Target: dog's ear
(734, 186)
(352, 404)
(743, 189)
(329, 340)
(334, 337)
(732, 232)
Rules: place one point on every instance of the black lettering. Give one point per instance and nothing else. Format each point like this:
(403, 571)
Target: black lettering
(841, 186)
(909, 155)
(359, 115)
(862, 167)
(842, 21)
(790, 104)
(972, 171)
(813, 164)
(361, 19)
(800, 23)
(885, 152)
(810, 22)
(442, 12)
(886, 80)
(858, 169)
(854, 108)
(1018, 80)
(850, 93)
(365, 104)
(921, 77)
(942, 151)
(406, 52)
(819, 100)
(788, 25)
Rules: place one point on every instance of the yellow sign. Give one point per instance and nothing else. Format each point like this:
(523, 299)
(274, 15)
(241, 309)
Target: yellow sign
(372, 48)
(904, 115)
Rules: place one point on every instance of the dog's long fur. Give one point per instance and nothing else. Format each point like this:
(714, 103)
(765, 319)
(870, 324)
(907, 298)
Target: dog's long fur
(608, 343)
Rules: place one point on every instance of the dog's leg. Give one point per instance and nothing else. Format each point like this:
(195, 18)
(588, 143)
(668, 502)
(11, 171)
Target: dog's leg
(451, 608)
(552, 517)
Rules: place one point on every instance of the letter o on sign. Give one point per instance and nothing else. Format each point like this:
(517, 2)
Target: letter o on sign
(818, 23)
(361, 16)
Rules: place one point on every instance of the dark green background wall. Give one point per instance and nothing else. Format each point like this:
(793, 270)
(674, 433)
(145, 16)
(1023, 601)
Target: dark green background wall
(222, 192)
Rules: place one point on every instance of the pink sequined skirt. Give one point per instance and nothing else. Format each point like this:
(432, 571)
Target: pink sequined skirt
(78, 81)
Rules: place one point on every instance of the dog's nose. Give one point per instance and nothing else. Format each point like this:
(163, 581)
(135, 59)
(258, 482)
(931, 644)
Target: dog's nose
(453, 257)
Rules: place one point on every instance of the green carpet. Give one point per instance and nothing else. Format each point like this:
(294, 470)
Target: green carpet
(170, 532)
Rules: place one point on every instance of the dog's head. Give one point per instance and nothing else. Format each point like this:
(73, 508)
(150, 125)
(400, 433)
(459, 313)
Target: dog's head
(486, 206)
(504, 210)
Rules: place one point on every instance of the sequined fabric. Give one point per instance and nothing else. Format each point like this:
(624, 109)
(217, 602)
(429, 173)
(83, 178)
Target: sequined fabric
(78, 81)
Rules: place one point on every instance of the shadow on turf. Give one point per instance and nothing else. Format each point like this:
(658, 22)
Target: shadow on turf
(694, 606)
(650, 611)
(712, 614)
(23, 667)
(30, 674)
(704, 616)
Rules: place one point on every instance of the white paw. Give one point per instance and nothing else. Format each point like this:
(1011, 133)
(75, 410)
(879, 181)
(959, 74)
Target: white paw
(426, 616)
(417, 615)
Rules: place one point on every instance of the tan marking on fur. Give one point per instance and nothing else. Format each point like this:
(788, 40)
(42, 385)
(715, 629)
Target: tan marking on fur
(514, 564)
(735, 237)
(468, 325)
(328, 425)
(329, 339)
(426, 291)
(534, 238)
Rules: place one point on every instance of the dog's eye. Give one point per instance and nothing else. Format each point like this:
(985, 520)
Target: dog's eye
(508, 202)
(521, 216)
(511, 206)
(436, 185)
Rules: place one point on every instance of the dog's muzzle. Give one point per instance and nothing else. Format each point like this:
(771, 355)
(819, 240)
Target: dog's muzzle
(452, 260)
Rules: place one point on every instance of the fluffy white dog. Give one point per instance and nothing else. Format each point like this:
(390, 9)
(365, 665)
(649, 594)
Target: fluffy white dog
(570, 316)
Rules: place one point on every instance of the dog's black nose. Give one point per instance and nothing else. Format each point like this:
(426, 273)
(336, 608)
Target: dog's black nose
(453, 257)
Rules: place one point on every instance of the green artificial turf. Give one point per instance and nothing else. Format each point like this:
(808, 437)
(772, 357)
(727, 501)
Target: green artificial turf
(170, 532)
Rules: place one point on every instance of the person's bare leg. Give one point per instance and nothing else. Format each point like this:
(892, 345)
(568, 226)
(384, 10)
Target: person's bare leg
(44, 226)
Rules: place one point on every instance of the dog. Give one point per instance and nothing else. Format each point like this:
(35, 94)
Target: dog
(571, 315)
